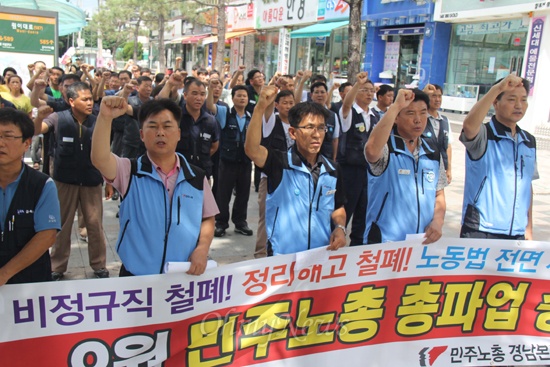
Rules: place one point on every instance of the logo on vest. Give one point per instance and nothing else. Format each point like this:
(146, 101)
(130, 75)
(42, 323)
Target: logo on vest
(187, 196)
(24, 211)
(430, 176)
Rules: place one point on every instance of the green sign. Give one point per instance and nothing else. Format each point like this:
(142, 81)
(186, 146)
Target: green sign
(27, 34)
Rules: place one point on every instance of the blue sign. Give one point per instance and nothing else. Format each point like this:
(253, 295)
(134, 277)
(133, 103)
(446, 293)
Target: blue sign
(397, 12)
(401, 31)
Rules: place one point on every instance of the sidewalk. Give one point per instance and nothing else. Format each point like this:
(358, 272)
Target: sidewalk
(234, 247)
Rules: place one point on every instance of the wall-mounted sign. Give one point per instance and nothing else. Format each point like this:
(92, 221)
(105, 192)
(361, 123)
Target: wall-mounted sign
(277, 13)
(27, 33)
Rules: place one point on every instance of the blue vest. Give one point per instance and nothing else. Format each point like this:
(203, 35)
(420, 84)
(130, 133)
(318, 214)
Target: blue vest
(153, 228)
(497, 188)
(297, 215)
(402, 199)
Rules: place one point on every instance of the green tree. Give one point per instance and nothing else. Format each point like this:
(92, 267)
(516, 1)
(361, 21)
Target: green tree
(128, 51)
(354, 40)
(112, 21)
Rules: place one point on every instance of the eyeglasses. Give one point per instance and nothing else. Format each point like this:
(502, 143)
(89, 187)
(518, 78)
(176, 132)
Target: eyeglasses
(9, 138)
(310, 128)
(366, 90)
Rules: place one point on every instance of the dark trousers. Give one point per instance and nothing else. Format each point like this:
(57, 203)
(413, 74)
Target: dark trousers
(467, 232)
(355, 184)
(231, 175)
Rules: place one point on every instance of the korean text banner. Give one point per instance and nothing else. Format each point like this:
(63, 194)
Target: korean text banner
(454, 303)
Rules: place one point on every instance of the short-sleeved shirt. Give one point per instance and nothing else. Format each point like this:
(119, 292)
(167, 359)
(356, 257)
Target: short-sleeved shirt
(223, 113)
(22, 103)
(478, 145)
(122, 180)
(346, 122)
(378, 167)
(46, 213)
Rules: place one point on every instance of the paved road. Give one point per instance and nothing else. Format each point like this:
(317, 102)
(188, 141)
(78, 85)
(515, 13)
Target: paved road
(235, 247)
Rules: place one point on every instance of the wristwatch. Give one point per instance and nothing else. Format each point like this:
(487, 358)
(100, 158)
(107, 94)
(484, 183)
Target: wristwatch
(342, 228)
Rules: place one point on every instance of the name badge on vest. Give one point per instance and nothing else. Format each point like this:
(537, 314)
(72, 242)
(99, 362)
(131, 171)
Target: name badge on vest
(206, 136)
(404, 171)
(361, 127)
(68, 139)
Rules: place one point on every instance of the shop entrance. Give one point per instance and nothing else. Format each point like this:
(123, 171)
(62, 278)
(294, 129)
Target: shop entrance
(408, 70)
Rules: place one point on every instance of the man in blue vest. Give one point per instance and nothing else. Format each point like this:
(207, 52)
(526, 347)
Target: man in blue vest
(500, 165)
(438, 128)
(305, 192)
(235, 168)
(405, 175)
(167, 209)
(77, 180)
(29, 208)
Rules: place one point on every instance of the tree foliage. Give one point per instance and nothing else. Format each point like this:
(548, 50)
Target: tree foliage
(128, 51)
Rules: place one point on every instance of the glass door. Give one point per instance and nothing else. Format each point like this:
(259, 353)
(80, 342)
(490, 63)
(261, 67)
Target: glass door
(408, 64)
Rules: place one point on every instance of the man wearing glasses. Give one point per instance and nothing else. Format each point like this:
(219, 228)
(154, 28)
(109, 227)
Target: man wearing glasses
(305, 191)
(29, 214)
(357, 120)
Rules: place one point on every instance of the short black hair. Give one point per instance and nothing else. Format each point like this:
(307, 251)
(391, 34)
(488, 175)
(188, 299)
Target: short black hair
(114, 74)
(129, 73)
(73, 89)
(317, 85)
(192, 80)
(142, 79)
(251, 74)
(438, 87)
(284, 93)
(214, 71)
(383, 89)
(318, 78)
(300, 110)
(19, 119)
(159, 77)
(59, 69)
(74, 77)
(9, 68)
(156, 106)
(524, 81)
(202, 71)
(343, 86)
(421, 96)
(236, 88)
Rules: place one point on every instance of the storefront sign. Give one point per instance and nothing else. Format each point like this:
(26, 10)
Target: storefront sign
(506, 26)
(535, 37)
(210, 51)
(277, 13)
(240, 17)
(451, 10)
(333, 10)
(392, 12)
(283, 51)
(27, 34)
(456, 302)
